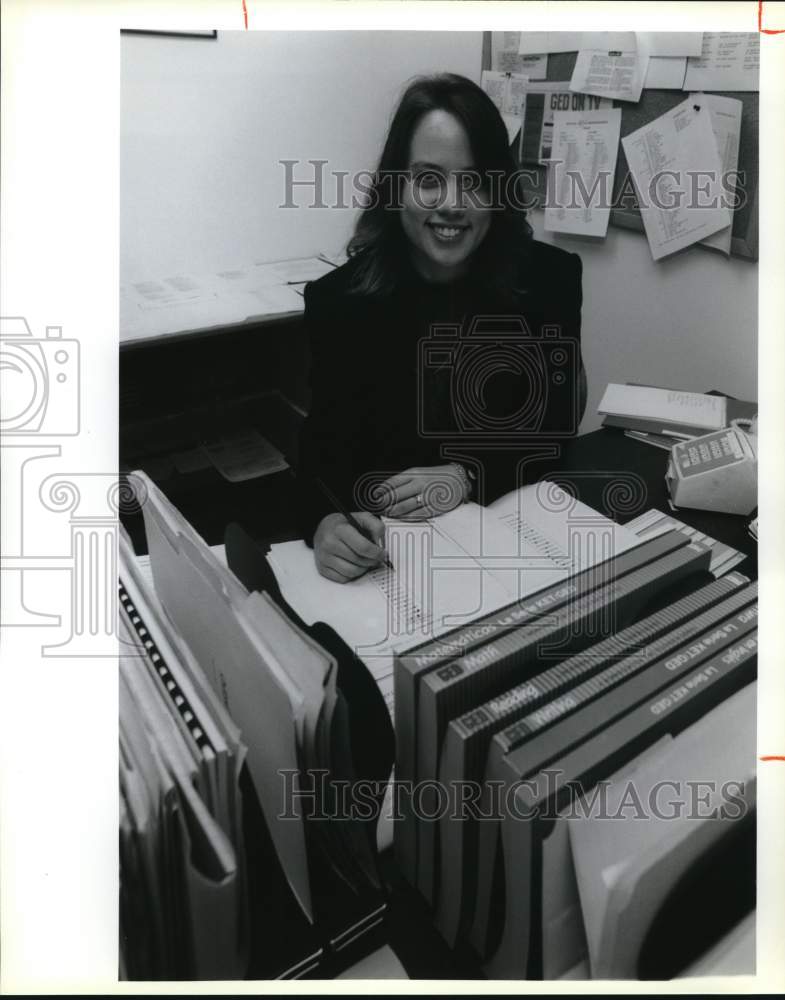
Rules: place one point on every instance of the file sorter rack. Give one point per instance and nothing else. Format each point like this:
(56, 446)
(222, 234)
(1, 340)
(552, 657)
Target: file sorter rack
(348, 923)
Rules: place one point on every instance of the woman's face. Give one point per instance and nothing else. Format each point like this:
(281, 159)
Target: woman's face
(443, 216)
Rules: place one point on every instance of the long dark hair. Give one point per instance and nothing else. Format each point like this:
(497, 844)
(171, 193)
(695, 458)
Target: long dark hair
(379, 245)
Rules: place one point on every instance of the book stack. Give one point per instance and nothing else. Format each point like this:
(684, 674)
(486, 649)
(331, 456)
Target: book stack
(653, 522)
(276, 688)
(669, 414)
(499, 721)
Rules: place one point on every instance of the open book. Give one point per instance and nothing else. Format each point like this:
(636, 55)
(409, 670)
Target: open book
(449, 570)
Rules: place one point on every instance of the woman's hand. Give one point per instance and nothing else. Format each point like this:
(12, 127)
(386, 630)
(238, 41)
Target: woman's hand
(416, 494)
(341, 552)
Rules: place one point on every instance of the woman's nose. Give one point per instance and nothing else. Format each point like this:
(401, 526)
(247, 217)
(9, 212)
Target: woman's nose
(454, 197)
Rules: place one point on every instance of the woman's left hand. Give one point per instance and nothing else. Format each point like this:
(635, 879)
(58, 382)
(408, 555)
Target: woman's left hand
(419, 493)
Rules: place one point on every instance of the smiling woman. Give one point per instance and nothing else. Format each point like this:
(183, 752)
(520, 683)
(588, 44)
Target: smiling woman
(446, 351)
(443, 225)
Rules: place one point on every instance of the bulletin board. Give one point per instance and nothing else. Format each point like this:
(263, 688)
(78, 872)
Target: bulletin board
(653, 103)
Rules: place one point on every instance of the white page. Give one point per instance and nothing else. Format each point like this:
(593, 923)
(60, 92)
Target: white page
(556, 535)
(178, 289)
(435, 585)
(289, 272)
(585, 147)
(243, 455)
(452, 569)
(505, 57)
(513, 125)
(671, 43)
(670, 405)
(543, 99)
(506, 90)
(515, 103)
(495, 86)
(277, 300)
(535, 67)
(176, 317)
(725, 114)
(610, 64)
(666, 157)
(186, 303)
(536, 42)
(665, 73)
(241, 278)
(729, 60)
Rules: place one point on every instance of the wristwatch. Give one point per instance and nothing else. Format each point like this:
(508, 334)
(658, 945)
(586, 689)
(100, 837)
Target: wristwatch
(468, 480)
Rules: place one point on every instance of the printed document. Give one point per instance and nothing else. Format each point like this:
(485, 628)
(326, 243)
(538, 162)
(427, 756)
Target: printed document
(449, 570)
(543, 99)
(729, 60)
(610, 64)
(505, 57)
(580, 174)
(674, 164)
(725, 114)
(506, 90)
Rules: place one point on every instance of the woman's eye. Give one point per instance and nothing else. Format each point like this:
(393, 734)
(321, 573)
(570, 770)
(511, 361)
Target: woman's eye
(428, 179)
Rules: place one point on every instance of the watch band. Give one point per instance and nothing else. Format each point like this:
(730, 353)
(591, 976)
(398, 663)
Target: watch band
(467, 479)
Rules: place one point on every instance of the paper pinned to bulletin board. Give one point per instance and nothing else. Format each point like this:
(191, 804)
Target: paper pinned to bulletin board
(654, 103)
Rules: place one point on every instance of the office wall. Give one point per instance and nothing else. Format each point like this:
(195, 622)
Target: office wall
(689, 321)
(204, 125)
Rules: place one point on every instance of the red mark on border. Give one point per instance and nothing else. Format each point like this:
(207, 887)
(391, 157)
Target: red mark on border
(774, 757)
(764, 31)
(245, 15)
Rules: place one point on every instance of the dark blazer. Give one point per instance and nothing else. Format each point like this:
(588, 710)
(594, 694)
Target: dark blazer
(439, 373)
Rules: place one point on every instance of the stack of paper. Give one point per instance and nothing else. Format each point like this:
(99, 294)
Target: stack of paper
(277, 684)
(671, 412)
(246, 293)
(183, 901)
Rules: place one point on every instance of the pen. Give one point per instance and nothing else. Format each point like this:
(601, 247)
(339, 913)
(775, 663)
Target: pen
(352, 520)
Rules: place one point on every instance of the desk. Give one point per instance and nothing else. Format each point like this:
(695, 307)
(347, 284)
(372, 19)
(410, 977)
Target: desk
(612, 473)
(186, 305)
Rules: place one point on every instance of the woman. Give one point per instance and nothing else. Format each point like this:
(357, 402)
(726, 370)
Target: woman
(446, 351)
